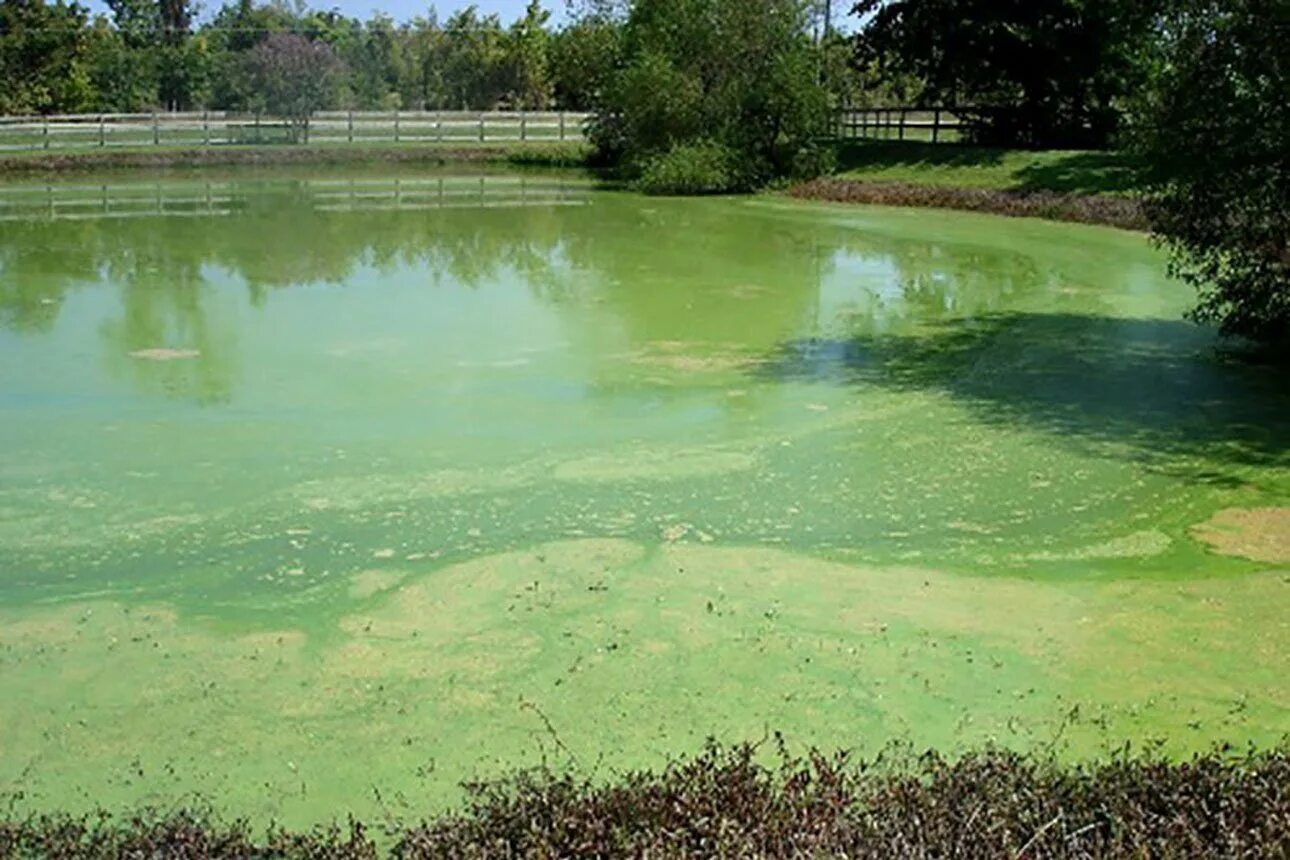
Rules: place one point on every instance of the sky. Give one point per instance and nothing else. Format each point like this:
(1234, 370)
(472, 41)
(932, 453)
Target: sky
(399, 10)
(405, 10)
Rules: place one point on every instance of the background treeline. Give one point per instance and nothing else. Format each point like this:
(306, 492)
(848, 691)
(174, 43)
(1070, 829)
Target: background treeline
(152, 54)
(56, 57)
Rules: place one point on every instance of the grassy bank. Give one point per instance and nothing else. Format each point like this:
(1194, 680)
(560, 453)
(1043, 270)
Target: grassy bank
(1085, 187)
(535, 154)
(946, 165)
(725, 803)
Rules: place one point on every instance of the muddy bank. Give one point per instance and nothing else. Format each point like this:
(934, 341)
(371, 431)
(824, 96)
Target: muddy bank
(63, 162)
(1107, 210)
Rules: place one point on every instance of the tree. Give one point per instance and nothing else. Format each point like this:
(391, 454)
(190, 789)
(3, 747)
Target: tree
(1214, 135)
(583, 57)
(473, 60)
(528, 60)
(706, 78)
(1043, 73)
(292, 77)
(42, 65)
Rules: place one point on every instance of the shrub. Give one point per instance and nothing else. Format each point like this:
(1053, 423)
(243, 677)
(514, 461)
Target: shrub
(691, 168)
(726, 802)
(1215, 140)
(741, 74)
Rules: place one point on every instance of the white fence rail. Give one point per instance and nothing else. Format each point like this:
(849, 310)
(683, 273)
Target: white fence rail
(218, 128)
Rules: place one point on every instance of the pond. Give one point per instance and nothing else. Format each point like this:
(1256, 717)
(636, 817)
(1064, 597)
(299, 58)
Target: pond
(322, 493)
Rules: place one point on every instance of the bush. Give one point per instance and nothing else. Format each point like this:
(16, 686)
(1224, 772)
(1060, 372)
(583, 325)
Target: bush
(691, 168)
(697, 77)
(1214, 136)
(729, 803)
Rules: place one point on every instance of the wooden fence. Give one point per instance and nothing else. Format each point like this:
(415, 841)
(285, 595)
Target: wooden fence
(218, 128)
(930, 125)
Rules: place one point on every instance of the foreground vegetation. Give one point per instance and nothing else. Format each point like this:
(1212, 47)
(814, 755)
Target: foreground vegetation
(726, 803)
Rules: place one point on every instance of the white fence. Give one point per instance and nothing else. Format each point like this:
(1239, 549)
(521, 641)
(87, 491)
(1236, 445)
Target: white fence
(218, 128)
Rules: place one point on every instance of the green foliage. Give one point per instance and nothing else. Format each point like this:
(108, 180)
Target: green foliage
(739, 75)
(702, 167)
(1046, 73)
(292, 76)
(583, 57)
(42, 57)
(148, 54)
(1215, 138)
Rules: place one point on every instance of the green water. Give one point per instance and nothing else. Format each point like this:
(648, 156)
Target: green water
(323, 493)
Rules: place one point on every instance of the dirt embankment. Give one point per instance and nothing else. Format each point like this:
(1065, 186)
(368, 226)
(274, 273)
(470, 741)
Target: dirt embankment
(60, 162)
(1108, 210)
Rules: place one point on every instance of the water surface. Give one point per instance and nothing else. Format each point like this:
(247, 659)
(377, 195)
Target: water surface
(323, 492)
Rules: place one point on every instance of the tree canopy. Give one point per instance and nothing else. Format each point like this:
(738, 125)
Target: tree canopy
(1215, 136)
(56, 57)
(732, 86)
(1041, 73)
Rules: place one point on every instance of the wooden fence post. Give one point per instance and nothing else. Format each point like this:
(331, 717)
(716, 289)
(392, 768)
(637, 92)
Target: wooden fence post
(523, 127)
(102, 132)
(156, 130)
(206, 128)
(396, 126)
(936, 126)
(481, 128)
(902, 123)
(438, 127)
(46, 132)
(351, 126)
(561, 125)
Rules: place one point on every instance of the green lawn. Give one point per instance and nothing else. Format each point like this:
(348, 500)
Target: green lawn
(983, 167)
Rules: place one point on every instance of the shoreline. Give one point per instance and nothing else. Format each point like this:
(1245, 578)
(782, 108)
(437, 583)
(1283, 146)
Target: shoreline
(27, 164)
(1105, 210)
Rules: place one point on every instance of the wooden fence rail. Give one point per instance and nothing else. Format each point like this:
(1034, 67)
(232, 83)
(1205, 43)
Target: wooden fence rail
(219, 128)
(931, 125)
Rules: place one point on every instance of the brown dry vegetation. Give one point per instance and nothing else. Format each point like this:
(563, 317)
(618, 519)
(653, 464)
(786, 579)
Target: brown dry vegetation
(1105, 209)
(726, 803)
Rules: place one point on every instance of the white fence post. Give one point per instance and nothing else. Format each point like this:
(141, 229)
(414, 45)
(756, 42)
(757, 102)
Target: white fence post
(207, 128)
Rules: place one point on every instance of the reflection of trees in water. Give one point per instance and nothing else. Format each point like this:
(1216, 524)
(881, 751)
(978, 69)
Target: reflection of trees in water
(706, 271)
(1153, 388)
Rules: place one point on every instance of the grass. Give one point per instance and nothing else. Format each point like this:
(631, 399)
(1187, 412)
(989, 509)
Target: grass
(727, 803)
(531, 153)
(951, 165)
